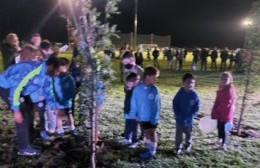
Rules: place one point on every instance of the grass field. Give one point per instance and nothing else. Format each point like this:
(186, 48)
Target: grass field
(243, 152)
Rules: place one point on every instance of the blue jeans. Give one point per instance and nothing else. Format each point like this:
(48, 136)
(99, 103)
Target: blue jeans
(187, 130)
(131, 130)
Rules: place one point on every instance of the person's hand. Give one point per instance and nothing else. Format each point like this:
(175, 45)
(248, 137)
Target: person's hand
(17, 116)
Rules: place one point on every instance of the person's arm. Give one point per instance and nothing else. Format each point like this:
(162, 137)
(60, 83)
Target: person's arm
(196, 107)
(16, 92)
(156, 108)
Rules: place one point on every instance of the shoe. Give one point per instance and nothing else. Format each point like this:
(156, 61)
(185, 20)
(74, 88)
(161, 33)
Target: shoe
(61, 135)
(188, 148)
(219, 142)
(29, 151)
(45, 136)
(224, 147)
(125, 141)
(179, 151)
(133, 145)
(146, 155)
(74, 132)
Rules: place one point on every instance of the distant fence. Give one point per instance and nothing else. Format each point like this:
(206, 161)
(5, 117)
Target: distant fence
(161, 41)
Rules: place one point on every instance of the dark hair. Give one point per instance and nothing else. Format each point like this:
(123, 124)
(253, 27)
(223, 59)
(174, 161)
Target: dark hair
(149, 71)
(188, 76)
(63, 61)
(53, 60)
(127, 54)
(35, 35)
(45, 45)
(131, 77)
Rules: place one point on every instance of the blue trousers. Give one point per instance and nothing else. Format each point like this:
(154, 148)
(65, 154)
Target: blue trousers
(131, 130)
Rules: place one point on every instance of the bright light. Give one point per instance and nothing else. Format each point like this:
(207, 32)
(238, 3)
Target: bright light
(247, 22)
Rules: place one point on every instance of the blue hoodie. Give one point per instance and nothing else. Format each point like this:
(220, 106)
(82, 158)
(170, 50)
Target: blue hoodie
(64, 90)
(20, 79)
(185, 106)
(145, 104)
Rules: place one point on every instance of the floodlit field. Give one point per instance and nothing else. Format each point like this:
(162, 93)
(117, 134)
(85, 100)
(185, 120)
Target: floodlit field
(242, 151)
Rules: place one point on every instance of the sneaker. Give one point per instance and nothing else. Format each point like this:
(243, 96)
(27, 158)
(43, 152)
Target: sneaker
(179, 151)
(133, 145)
(125, 141)
(218, 142)
(146, 155)
(61, 135)
(224, 147)
(45, 136)
(188, 148)
(74, 132)
(29, 151)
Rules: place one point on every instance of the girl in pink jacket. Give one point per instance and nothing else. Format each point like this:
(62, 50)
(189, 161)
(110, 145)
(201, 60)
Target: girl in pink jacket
(224, 107)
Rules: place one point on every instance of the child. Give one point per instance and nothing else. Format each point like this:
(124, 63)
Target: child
(146, 106)
(19, 78)
(130, 121)
(185, 107)
(64, 90)
(224, 107)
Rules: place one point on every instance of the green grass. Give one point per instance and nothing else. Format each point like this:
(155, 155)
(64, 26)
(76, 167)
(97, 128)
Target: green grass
(243, 152)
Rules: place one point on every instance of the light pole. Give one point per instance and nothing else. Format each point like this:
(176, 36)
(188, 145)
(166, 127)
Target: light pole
(135, 25)
(246, 23)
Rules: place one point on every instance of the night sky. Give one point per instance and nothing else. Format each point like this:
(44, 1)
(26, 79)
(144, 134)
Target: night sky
(189, 22)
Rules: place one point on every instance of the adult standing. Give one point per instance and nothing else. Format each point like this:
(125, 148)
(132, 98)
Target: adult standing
(139, 57)
(36, 39)
(10, 50)
(156, 54)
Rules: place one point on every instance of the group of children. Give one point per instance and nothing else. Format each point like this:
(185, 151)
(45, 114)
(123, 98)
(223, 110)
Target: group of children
(40, 82)
(142, 106)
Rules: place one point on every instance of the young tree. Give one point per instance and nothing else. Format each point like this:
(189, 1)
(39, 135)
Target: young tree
(93, 36)
(252, 42)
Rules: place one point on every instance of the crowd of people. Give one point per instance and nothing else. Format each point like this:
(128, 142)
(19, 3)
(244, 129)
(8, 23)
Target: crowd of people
(35, 79)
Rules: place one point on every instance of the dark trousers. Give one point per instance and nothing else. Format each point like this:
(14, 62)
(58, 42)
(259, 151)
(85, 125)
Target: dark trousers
(4, 95)
(24, 130)
(131, 129)
(187, 130)
(221, 131)
(41, 108)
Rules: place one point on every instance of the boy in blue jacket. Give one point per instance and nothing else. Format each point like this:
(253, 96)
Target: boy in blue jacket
(186, 105)
(64, 89)
(19, 79)
(146, 106)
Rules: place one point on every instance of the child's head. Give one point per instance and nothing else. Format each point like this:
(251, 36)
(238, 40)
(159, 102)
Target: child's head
(128, 60)
(52, 65)
(150, 75)
(30, 53)
(132, 80)
(46, 48)
(189, 81)
(64, 64)
(226, 78)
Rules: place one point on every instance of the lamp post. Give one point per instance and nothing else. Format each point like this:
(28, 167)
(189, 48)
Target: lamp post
(246, 24)
(135, 25)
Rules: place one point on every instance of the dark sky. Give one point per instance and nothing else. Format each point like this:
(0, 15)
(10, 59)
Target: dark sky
(189, 22)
